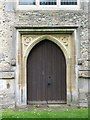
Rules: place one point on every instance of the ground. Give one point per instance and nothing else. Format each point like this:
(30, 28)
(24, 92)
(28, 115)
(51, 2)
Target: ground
(63, 111)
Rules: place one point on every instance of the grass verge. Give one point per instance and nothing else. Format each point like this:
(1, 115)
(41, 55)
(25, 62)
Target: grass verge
(35, 113)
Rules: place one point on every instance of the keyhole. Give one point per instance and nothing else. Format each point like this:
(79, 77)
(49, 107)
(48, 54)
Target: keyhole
(49, 83)
(49, 80)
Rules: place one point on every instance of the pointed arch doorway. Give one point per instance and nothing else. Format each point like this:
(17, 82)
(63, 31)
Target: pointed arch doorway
(46, 74)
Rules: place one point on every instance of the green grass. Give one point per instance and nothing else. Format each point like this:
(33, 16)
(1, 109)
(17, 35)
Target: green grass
(79, 113)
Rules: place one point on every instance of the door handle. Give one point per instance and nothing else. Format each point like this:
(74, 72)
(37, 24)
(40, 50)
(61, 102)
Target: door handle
(49, 80)
(49, 83)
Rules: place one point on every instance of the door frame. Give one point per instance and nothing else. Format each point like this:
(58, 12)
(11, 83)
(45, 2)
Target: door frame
(24, 45)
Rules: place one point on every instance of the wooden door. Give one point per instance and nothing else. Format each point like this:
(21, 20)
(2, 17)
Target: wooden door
(46, 74)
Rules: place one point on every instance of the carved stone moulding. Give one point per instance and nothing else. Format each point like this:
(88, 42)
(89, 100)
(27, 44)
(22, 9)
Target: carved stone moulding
(27, 39)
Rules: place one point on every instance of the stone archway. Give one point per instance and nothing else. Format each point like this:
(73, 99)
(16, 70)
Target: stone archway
(66, 43)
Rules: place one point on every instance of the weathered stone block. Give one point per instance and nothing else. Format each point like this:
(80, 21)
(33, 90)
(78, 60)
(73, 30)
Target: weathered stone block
(83, 74)
(83, 85)
(7, 93)
(7, 75)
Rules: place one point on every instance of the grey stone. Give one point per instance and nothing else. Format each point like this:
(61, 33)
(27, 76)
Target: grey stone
(10, 6)
(7, 75)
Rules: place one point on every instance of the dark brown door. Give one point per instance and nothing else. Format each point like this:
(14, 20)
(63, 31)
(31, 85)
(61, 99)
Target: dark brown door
(46, 74)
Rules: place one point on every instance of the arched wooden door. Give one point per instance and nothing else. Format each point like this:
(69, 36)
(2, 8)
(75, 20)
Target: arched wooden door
(46, 74)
